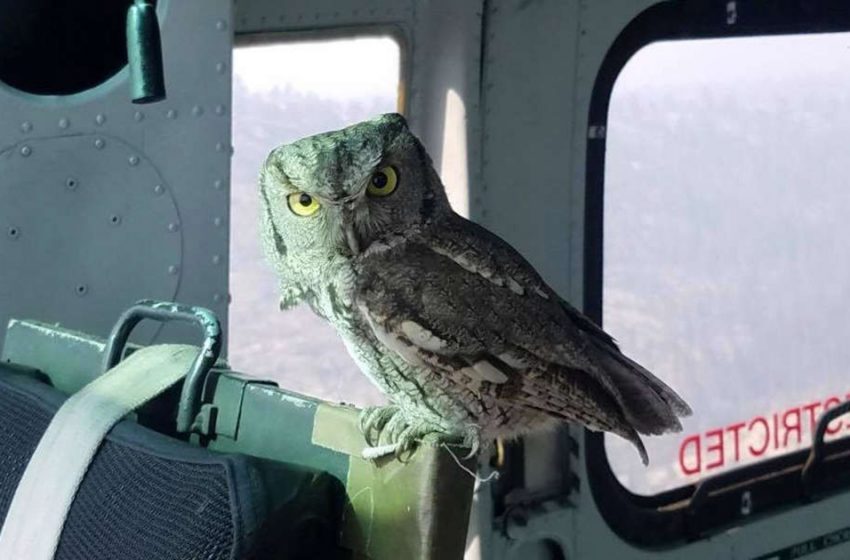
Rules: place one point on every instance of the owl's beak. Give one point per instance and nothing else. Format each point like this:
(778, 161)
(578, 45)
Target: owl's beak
(351, 239)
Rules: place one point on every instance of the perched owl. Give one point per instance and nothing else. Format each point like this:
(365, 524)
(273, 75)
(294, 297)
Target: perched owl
(443, 316)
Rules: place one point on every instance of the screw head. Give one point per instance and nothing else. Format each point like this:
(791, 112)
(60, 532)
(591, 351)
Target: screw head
(26, 151)
(133, 160)
(99, 143)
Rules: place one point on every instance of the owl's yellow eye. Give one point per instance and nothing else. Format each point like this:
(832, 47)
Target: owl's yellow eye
(302, 204)
(383, 182)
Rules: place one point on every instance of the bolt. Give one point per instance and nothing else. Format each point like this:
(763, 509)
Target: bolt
(99, 143)
(100, 118)
(26, 151)
(133, 160)
(64, 122)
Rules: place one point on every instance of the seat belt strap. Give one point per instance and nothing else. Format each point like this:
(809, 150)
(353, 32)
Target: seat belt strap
(47, 488)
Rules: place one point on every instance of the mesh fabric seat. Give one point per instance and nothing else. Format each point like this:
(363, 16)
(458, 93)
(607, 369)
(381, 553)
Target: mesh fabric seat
(147, 496)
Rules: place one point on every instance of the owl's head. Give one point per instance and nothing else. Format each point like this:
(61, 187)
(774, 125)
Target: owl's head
(333, 194)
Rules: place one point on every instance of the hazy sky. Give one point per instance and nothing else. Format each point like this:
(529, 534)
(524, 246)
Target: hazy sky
(671, 64)
(330, 69)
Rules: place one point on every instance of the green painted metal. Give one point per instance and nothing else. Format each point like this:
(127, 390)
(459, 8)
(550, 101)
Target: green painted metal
(418, 508)
(144, 53)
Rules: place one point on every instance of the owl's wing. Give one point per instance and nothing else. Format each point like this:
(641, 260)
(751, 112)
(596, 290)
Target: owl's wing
(463, 297)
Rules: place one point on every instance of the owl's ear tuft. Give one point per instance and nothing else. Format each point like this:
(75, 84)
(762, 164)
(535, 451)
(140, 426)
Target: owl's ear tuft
(391, 120)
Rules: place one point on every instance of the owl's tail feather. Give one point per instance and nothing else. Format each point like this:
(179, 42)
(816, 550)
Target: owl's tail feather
(648, 404)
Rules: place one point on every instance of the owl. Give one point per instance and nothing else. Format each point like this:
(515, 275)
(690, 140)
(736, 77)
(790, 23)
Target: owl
(447, 319)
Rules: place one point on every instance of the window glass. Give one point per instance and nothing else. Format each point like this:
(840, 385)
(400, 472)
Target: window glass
(282, 92)
(727, 244)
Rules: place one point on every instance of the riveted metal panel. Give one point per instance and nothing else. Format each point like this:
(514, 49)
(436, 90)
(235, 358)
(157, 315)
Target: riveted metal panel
(163, 169)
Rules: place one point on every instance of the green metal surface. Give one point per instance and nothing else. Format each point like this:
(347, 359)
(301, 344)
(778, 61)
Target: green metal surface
(415, 509)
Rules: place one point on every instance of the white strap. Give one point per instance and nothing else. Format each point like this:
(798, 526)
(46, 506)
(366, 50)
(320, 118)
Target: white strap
(47, 488)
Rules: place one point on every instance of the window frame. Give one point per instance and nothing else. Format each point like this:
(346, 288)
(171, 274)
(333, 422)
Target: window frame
(695, 511)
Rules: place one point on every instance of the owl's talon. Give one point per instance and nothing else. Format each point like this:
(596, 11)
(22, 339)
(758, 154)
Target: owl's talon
(374, 419)
(472, 440)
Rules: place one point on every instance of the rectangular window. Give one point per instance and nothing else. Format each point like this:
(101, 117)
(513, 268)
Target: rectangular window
(284, 91)
(727, 244)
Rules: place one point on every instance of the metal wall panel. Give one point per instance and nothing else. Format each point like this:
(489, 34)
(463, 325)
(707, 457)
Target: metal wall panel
(104, 202)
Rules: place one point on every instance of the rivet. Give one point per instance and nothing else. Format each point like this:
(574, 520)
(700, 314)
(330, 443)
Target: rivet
(221, 25)
(99, 143)
(219, 109)
(100, 118)
(219, 147)
(217, 184)
(158, 189)
(26, 126)
(139, 116)
(220, 67)
(173, 226)
(81, 290)
(171, 114)
(64, 122)
(26, 151)
(133, 160)
(14, 232)
(217, 298)
(115, 220)
(217, 222)
(173, 269)
(71, 184)
(197, 110)
(216, 259)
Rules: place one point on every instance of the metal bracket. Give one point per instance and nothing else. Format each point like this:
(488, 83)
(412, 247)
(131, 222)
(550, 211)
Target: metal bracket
(163, 311)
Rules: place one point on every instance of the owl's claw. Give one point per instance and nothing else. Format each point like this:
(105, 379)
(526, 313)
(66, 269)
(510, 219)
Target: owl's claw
(374, 419)
(472, 440)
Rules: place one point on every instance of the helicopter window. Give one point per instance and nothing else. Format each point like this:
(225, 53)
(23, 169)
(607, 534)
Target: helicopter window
(726, 237)
(283, 91)
(60, 48)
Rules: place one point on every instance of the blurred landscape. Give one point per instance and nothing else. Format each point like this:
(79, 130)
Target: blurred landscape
(727, 240)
